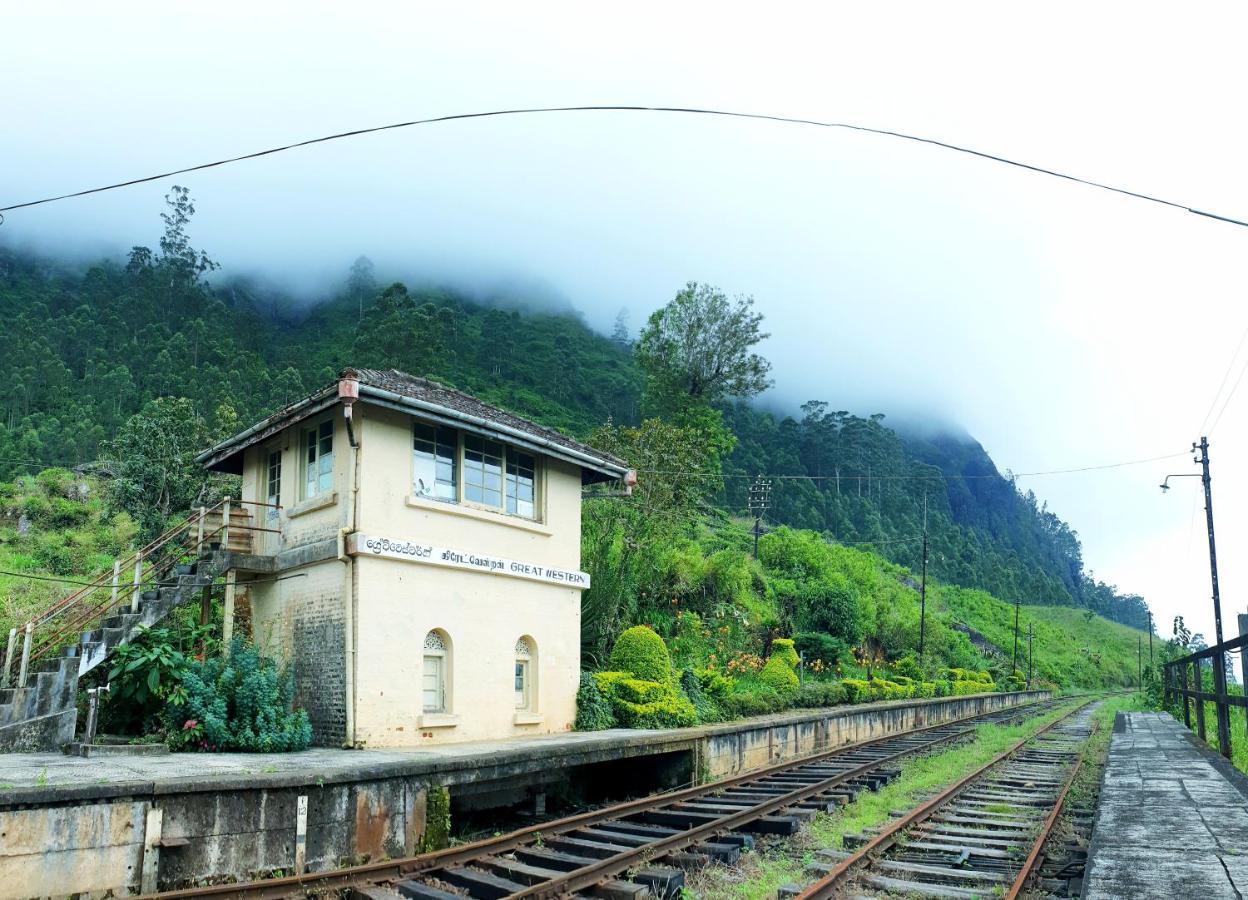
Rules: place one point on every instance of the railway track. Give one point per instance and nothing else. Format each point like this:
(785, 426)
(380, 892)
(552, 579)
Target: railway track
(631, 849)
(983, 837)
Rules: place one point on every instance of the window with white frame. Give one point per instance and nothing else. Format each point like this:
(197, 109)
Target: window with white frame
(434, 674)
(483, 471)
(524, 687)
(521, 484)
(457, 467)
(435, 455)
(318, 459)
(273, 478)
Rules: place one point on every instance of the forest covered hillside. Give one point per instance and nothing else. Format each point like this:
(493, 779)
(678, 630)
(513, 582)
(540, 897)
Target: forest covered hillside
(85, 348)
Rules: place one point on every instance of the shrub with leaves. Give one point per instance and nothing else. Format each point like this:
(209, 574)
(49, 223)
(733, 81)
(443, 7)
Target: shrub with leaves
(640, 651)
(593, 710)
(703, 704)
(778, 675)
(783, 648)
(239, 702)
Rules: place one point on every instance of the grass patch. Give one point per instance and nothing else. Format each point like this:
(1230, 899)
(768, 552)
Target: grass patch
(760, 874)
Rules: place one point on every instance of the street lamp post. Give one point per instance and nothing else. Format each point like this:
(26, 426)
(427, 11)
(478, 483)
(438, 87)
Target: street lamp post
(1219, 668)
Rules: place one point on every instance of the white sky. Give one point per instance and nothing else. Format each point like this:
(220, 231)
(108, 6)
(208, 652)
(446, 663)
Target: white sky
(1059, 325)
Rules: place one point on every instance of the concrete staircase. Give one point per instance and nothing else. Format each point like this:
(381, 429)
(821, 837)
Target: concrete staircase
(43, 714)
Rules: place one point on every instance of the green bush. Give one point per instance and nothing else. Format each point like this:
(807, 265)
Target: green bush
(821, 646)
(783, 648)
(815, 694)
(907, 667)
(755, 703)
(889, 690)
(635, 690)
(640, 651)
(671, 711)
(856, 690)
(778, 675)
(240, 702)
(962, 688)
(706, 708)
(593, 710)
(1015, 681)
(943, 687)
(925, 689)
(714, 685)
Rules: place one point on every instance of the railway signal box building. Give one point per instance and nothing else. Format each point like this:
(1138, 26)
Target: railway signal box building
(421, 568)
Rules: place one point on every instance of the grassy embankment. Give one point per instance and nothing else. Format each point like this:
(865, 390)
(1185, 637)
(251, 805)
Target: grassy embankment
(760, 874)
(52, 525)
(1072, 647)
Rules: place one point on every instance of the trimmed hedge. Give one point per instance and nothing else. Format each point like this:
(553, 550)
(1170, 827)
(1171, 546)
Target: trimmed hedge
(783, 648)
(778, 675)
(639, 703)
(642, 652)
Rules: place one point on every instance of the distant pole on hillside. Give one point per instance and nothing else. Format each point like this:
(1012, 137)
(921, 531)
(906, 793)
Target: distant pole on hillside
(1150, 638)
(1015, 664)
(1031, 633)
(1139, 660)
(759, 501)
(923, 586)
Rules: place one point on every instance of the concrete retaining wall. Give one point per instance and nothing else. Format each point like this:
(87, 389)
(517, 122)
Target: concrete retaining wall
(122, 838)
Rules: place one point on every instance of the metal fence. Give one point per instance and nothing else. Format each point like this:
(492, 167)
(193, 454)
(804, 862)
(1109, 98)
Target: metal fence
(1183, 683)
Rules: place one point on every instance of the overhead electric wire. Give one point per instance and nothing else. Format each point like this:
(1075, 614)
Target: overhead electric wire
(940, 477)
(1230, 367)
(697, 111)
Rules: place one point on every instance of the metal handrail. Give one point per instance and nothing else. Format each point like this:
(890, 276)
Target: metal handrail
(1175, 688)
(149, 564)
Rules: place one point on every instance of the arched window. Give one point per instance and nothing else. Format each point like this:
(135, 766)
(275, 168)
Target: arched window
(435, 693)
(525, 675)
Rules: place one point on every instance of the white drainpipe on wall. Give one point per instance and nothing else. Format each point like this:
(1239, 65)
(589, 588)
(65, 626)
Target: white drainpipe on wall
(348, 391)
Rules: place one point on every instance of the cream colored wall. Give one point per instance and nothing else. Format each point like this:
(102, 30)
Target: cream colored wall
(399, 602)
(483, 615)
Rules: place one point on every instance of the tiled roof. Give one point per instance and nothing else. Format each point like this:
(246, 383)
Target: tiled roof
(436, 399)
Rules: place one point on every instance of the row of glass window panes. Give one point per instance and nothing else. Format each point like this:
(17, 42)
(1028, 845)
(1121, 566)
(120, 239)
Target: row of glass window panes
(494, 474)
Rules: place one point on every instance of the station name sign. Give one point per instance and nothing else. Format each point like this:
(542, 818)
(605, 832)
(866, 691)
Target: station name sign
(414, 551)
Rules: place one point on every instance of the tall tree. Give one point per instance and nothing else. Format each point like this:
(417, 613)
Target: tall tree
(698, 349)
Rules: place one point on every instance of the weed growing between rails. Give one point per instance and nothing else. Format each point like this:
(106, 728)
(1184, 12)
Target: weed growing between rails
(760, 874)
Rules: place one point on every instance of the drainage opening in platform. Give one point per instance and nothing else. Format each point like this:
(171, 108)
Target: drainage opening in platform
(482, 809)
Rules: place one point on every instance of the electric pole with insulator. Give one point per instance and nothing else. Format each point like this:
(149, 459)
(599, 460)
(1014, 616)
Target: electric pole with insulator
(923, 586)
(759, 502)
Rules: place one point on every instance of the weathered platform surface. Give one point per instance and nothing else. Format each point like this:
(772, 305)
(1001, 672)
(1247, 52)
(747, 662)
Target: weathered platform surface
(1172, 820)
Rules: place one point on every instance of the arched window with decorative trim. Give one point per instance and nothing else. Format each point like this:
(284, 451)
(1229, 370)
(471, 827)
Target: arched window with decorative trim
(435, 673)
(526, 674)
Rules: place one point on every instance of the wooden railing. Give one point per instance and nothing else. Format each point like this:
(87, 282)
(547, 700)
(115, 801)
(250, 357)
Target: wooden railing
(1183, 683)
(122, 585)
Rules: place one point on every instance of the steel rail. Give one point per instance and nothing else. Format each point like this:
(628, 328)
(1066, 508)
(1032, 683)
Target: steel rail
(1034, 857)
(279, 888)
(823, 889)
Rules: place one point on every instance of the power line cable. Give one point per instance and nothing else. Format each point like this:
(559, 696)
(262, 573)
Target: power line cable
(941, 477)
(765, 117)
(1229, 397)
(1225, 375)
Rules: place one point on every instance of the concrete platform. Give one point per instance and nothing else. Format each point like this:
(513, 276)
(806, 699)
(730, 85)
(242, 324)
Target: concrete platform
(1172, 821)
(98, 824)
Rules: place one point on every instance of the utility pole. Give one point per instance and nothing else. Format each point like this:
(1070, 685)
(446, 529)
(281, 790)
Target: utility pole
(1031, 633)
(759, 502)
(1150, 638)
(1015, 663)
(1219, 672)
(1139, 661)
(1219, 662)
(923, 585)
